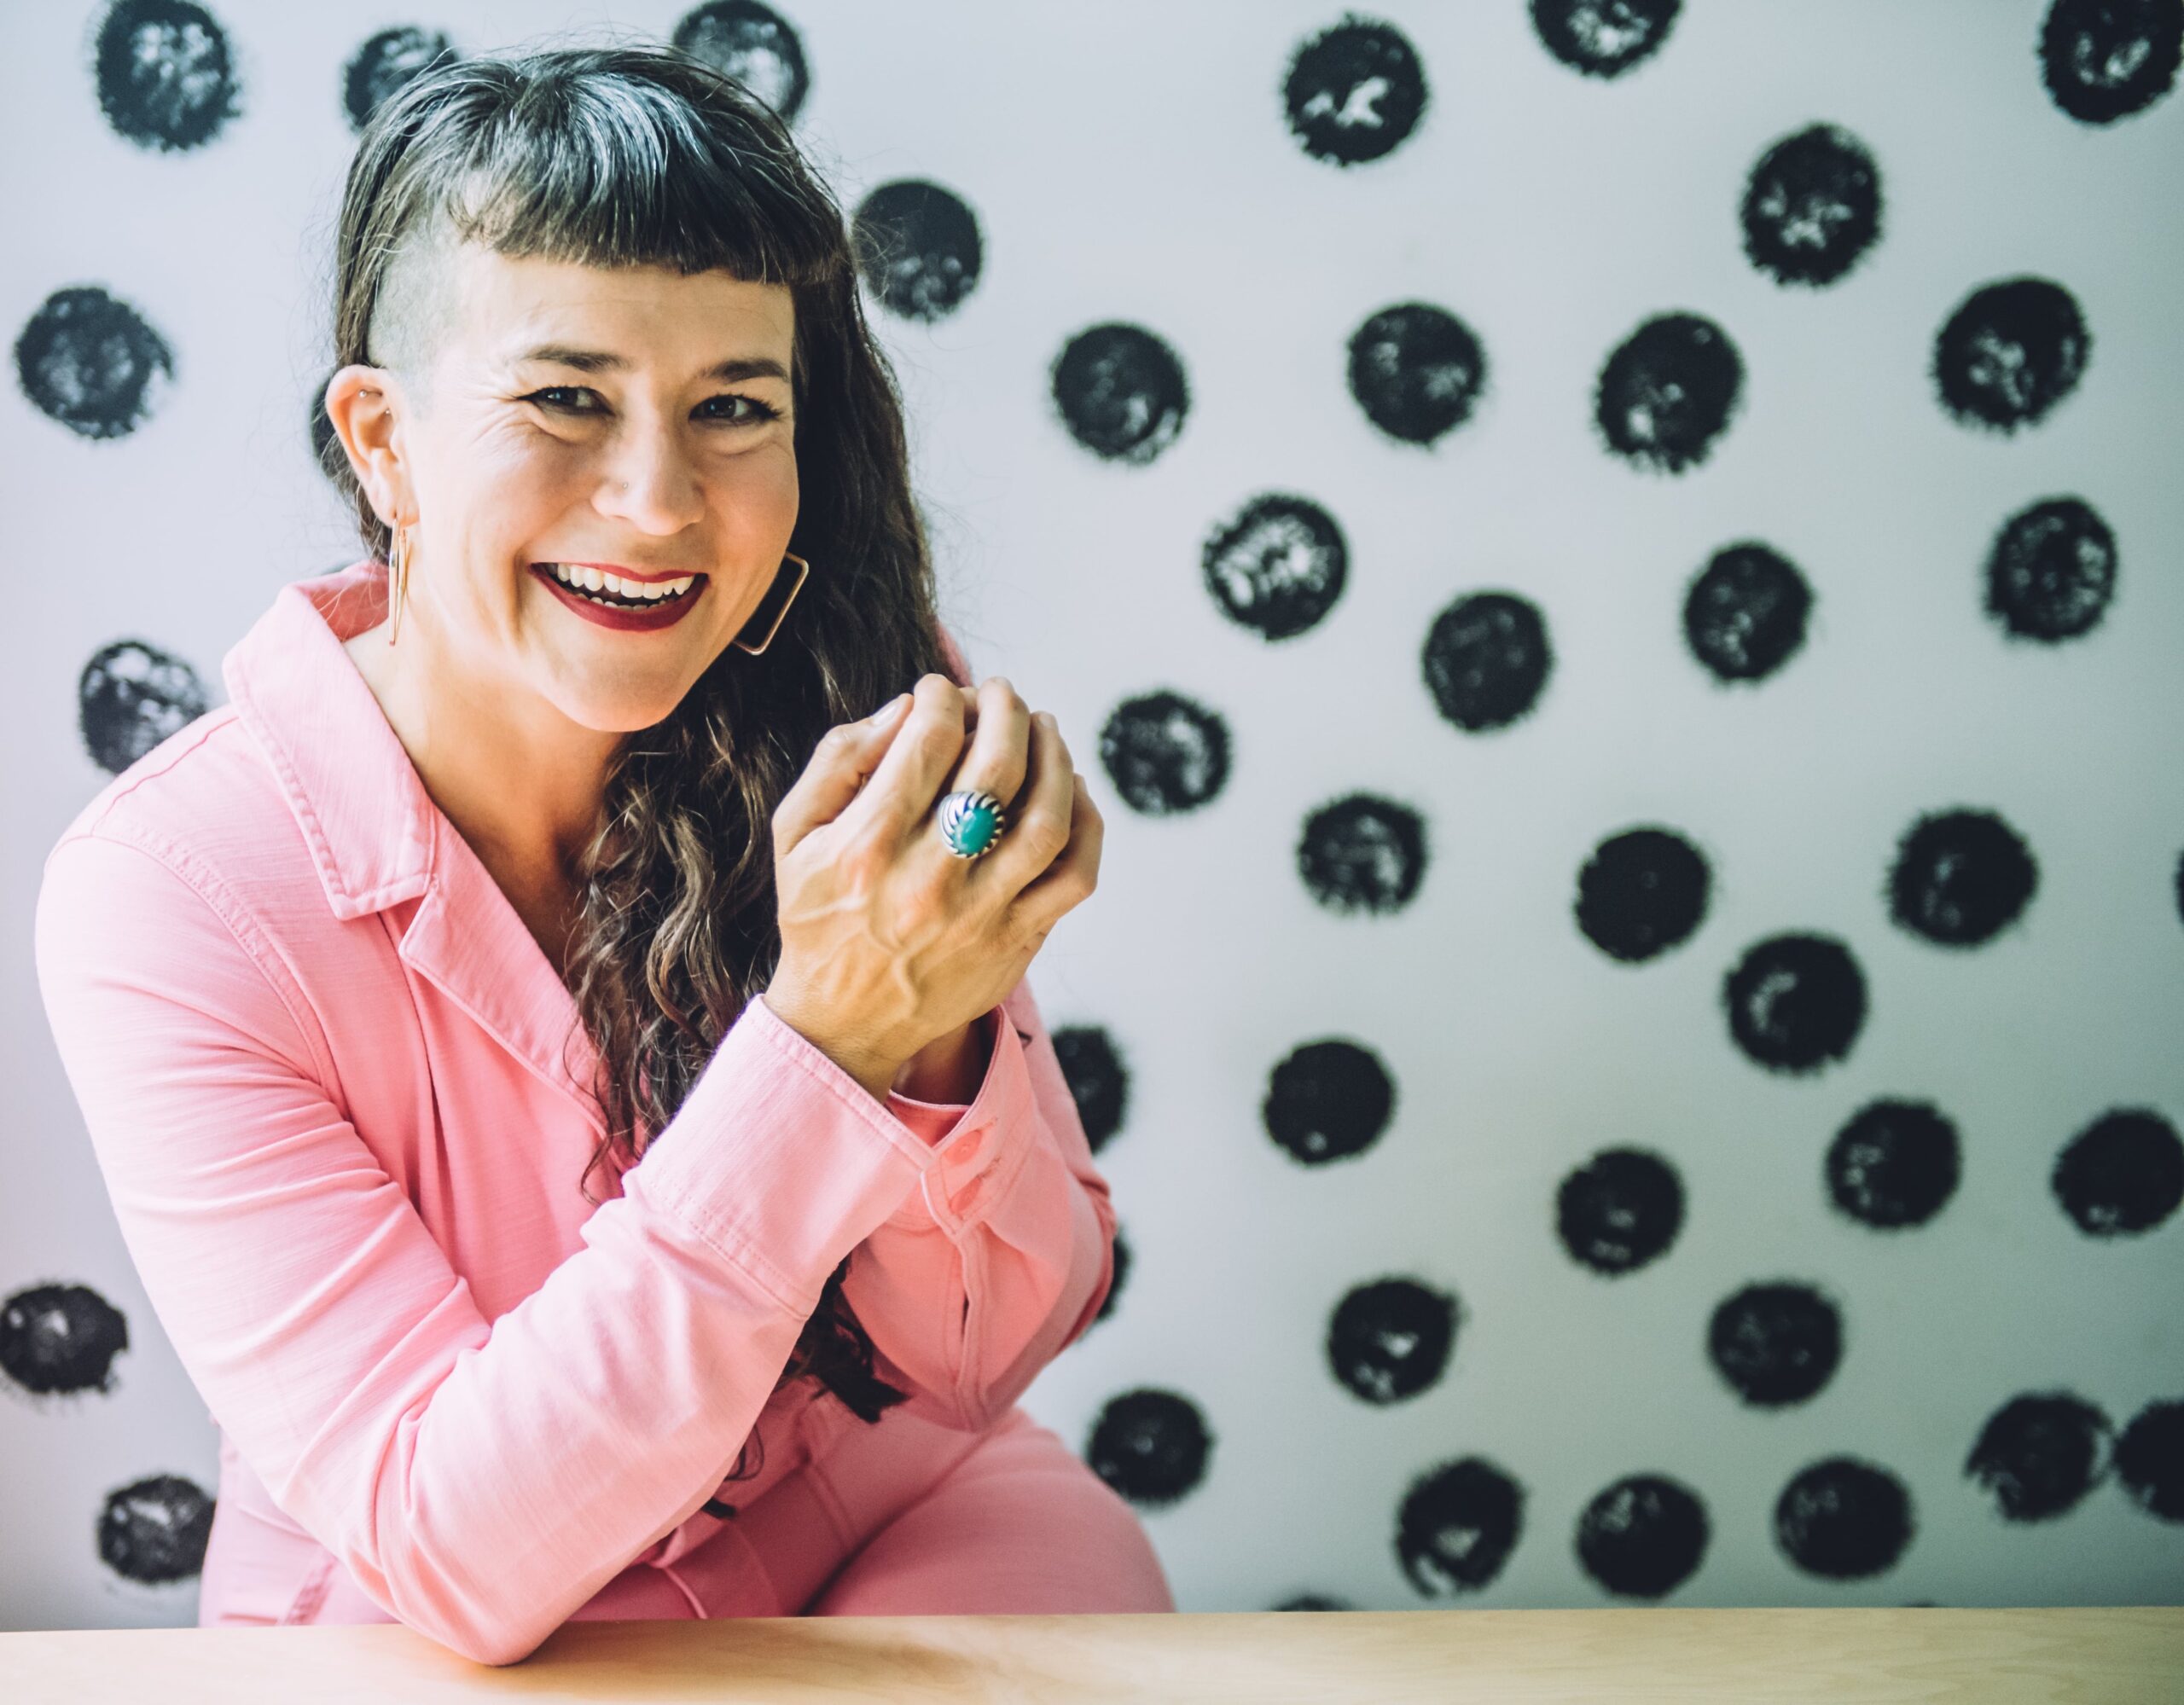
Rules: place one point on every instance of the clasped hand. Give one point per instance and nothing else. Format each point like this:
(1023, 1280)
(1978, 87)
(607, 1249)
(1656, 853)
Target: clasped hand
(892, 943)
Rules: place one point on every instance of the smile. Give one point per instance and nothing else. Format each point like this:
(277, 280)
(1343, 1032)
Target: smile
(621, 601)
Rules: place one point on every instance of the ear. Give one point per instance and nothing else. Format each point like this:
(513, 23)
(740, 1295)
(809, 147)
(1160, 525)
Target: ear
(364, 404)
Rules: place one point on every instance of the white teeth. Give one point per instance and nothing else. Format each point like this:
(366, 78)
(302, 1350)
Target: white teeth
(597, 580)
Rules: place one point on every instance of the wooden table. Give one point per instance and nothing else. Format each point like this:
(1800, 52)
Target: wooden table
(1690, 1657)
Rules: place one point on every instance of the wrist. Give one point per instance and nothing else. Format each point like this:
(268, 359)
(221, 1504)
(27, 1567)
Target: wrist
(874, 1072)
(947, 1069)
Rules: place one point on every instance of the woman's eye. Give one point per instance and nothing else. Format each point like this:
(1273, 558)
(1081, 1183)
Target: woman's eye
(755, 410)
(758, 411)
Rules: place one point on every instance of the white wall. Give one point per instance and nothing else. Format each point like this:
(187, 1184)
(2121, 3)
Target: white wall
(1131, 161)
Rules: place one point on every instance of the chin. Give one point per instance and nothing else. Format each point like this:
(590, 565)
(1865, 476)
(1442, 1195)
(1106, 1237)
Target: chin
(617, 713)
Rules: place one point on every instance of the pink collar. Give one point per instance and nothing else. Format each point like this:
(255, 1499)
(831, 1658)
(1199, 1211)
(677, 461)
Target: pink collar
(375, 835)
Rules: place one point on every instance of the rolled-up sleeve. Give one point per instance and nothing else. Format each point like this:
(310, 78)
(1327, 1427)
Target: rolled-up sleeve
(1002, 1255)
(480, 1480)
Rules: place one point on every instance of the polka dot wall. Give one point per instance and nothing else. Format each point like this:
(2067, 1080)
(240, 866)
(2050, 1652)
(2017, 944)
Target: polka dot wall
(1614, 567)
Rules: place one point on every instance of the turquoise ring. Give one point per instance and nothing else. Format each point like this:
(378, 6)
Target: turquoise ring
(970, 823)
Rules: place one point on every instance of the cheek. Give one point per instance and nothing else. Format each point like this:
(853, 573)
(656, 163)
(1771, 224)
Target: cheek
(512, 485)
(758, 493)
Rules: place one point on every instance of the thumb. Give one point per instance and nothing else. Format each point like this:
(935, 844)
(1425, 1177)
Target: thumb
(844, 760)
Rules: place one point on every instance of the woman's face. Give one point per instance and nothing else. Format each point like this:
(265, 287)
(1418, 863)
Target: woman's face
(638, 422)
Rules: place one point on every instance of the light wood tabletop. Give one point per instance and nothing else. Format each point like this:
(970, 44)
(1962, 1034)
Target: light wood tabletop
(2116, 1656)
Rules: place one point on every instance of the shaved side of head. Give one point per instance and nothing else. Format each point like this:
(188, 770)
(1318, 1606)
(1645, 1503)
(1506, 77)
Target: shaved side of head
(415, 313)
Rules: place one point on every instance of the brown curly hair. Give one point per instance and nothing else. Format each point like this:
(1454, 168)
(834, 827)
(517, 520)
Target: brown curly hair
(640, 155)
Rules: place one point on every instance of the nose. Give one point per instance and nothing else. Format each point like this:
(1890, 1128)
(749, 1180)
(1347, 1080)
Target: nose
(649, 480)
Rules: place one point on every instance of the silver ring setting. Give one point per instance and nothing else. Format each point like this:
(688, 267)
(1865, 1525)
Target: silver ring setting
(971, 822)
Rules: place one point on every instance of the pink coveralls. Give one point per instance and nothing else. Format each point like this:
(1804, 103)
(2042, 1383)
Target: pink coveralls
(331, 1082)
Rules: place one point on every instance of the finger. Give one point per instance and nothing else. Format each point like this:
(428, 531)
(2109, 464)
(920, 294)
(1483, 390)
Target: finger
(847, 755)
(996, 758)
(917, 758)
(1039, 821)
(970, 719)
(1071, 876)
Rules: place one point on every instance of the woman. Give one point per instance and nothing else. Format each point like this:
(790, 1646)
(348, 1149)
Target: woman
(499, 873)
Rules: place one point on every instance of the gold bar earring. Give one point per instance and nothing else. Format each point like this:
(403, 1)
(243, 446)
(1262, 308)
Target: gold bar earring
(398, 579)
(803, 571)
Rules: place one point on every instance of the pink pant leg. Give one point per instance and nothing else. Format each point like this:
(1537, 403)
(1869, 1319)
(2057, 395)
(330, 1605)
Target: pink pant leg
(1018, 1526)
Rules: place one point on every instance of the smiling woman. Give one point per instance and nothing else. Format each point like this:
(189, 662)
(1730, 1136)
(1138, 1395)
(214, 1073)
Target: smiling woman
(550, 841)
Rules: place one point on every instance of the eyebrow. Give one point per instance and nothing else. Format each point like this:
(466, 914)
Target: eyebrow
(605, 361)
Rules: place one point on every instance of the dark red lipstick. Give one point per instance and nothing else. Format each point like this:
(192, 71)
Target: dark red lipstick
(664, 614)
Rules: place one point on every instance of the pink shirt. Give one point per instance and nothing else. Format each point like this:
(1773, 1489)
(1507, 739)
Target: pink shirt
(323, 1065)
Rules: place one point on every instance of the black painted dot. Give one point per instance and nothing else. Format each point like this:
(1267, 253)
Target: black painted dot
(2178, 884)
(1164, 753)
(2039, 1455)
(1745, 614)
(1641, 892)
(1315, 1601)
(1796, 1001)
(1620, 1210)
(385, 63)
(1894, 1164)
(1354, 91)
(1121, 1278)
(1327, 1100)
(1644, 1536)
(1960, 877)
(1811, 206)
(2104, 60)
(1457, 1525)
(2009, 352)
(165, 79)
(2123, 1174)
(1776, 1342)
(1121, 391)
(1151, 1446)
(1604, 37)
(2150, 1459)
(1277, 566)
(1667, 392)
(60, 1338)
(2052, 570)
(1417, 371)
(1486, 659)
(752, 43)
(130, 697)
(90, 360)
(1362, 853)
(1390, 1339)
(154, 1530)
(918, 248)
(1098, 1081)
(1843, 1518)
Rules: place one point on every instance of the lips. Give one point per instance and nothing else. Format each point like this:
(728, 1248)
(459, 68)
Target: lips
(664, 615)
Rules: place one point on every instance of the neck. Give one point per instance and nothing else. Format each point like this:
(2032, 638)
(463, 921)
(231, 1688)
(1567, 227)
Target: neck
(522, 783)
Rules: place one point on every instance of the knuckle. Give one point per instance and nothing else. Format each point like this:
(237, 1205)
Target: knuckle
(925, 907)
(1048, 831)
(865, 859)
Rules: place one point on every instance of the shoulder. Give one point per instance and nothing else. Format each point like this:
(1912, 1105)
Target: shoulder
(202, 811)
(205, 793)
